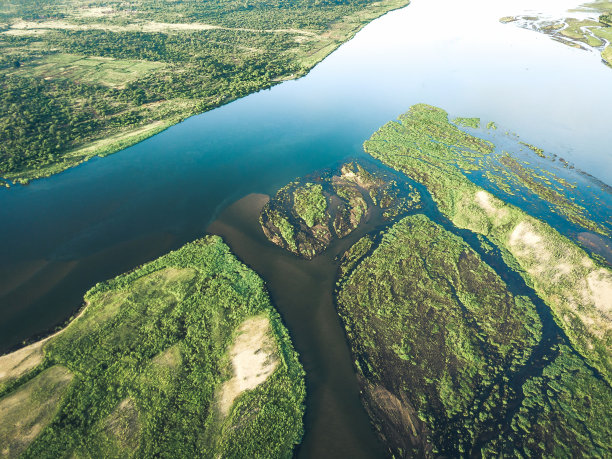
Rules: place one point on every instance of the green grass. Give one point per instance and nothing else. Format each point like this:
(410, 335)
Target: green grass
(148, 359)
(79, 79)
(92, 70)
(429, 149)
(467, 122)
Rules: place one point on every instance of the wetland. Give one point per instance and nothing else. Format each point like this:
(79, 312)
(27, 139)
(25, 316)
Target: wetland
(445, 285)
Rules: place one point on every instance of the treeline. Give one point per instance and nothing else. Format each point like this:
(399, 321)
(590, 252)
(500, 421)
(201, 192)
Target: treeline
(152, 347)
(42, 117)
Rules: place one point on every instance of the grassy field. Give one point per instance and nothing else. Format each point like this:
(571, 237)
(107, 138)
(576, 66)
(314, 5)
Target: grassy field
(445, 353)
(304, 217)
(85, 78)
(578, 289)
(182, 357)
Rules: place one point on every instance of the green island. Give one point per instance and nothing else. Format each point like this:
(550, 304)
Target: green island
(475, 327)
(578, 33)
(304, 217)
(182, 357)
(452, 363)
(429, 149)
(88, 78)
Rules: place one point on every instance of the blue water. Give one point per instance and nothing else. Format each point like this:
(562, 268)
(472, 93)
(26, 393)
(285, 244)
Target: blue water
(61, 235)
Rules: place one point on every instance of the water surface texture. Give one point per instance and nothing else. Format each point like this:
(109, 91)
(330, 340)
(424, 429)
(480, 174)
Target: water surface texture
(63, 234)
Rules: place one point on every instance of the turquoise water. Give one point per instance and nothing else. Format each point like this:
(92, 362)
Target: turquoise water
(63, 234)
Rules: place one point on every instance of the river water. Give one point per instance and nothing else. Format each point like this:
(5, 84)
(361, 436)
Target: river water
(61, 235)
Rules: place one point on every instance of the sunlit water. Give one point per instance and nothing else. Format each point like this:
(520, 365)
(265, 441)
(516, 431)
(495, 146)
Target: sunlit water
(61, 235)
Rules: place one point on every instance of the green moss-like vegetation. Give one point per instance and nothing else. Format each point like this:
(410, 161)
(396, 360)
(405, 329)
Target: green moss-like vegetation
(467, 122)
(446, 355)
(429, 149)
(538, 151)
(304, 217)
(435, 332)
(565, 413)
(354, 255)
(150, 368)
(86, 78)
(310, 204)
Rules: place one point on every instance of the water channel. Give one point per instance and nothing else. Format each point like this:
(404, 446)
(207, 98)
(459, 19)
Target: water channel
(61, 235)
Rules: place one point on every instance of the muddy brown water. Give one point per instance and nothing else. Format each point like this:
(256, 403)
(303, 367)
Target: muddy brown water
(336, 424)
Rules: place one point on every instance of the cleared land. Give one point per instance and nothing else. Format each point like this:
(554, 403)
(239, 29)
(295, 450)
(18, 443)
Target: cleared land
(88, 78)
(183, 357)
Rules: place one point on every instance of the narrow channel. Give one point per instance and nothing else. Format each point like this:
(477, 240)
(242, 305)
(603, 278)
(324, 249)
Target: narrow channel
(336, 424)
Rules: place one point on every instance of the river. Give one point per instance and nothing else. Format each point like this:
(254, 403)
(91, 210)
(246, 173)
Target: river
(63, 234)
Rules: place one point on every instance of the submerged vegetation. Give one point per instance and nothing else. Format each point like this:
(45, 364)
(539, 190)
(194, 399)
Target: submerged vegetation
(183, 357)
(304, 217)
(578, 289)
(88, 78)
(452, 363)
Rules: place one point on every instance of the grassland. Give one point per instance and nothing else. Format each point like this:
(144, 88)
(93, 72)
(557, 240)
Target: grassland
(447, 355)
(183, 357)
(304, 217)
(87, 78)
(577, 288)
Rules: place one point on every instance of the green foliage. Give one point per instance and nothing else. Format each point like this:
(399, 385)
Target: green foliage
(565, 413)
(149, 355)
(468, 122)
(54, 113)
(302, 218)
(433, 324)
(310, 204)
(434, 152)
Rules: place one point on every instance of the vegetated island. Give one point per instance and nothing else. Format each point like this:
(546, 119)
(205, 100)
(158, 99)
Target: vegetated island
(182, 357)
(308, 213)
(456, 351)
(476, 328)
(586, 34)
(89, 78)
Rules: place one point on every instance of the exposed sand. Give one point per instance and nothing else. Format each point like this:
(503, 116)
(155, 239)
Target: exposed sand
(33, 27)
(253, 357)
(485, 200)
(585, 288)
(18, 363)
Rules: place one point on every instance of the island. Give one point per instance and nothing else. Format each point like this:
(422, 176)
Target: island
(182, 357)
(476, 327)
(578, 32)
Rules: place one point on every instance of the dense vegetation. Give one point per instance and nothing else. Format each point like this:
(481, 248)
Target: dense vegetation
(429, 149)
(147, 369)
(304, 217)
(446, 355)
(90, 77)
